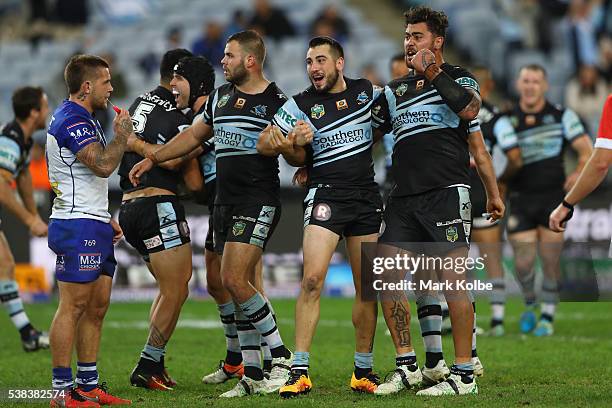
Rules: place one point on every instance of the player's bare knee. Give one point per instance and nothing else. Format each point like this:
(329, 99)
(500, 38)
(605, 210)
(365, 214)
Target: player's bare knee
(7, 269)
(312, 285)
(96, 313)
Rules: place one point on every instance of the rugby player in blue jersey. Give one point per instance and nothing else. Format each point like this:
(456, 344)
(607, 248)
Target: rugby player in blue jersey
(81, 231)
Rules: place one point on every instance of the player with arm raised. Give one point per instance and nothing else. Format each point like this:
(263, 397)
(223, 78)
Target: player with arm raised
(429, 113)
(81, 231)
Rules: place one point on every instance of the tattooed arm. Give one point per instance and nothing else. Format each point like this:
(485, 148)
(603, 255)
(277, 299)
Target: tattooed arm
(103, 161)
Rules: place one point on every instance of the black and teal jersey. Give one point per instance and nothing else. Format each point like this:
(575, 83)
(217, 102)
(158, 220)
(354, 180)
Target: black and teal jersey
(156, 120)
(430, 149)
(542, 138)
(14, 149)
(341, 150)
(243, 175)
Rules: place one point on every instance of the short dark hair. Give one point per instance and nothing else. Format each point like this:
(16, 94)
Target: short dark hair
(81, 68)
(535, 67)
(436, 21)
(399, 57)
(334, 45)
(25, 99)
(169, 60)
(252, 43)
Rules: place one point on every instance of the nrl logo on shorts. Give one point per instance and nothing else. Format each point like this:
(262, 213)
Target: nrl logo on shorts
(317, 111)
(401, 90)
(362, 98)
(238, 228)
(223, 101)
(451, 234)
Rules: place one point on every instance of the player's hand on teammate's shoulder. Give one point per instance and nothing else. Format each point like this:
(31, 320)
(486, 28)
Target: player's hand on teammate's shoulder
(496, 207)
(38, 227)
(122, 124)
(303, 133)
(118, 232)
(139, 169)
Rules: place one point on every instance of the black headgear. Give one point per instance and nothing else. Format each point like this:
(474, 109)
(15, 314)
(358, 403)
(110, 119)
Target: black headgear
(200, 75)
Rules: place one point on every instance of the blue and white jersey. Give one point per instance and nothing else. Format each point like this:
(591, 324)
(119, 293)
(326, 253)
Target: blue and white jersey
(341, 151)
(542, 138)
(79, 192)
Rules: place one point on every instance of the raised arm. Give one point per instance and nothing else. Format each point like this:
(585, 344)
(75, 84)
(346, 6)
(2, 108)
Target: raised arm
(463, 101)
(102, 161)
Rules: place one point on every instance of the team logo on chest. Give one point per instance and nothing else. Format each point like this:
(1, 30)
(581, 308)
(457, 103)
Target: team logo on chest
(401, 90)
(341, 104)
(240, 103)
(223, 101)
(317, 111)
(259, 110)
(362, 98)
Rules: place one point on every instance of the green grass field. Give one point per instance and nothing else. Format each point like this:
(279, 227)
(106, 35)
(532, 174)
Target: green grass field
(572, 368)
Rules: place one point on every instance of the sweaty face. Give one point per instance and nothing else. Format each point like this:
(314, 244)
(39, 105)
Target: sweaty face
(101, 89)
(417, 37)
(532, 86)
(233, 64)
(322, 68)
(180, 90)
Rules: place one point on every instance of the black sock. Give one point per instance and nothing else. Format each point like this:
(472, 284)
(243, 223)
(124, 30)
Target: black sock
(26, 331)
(150, 366)
(254, 373)
(233, 358)
(496, 322)
(362, 372)
(406, 360)
(467, 376)
(547, 317)
(267, 365)
(280, 351)
(431, 359)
